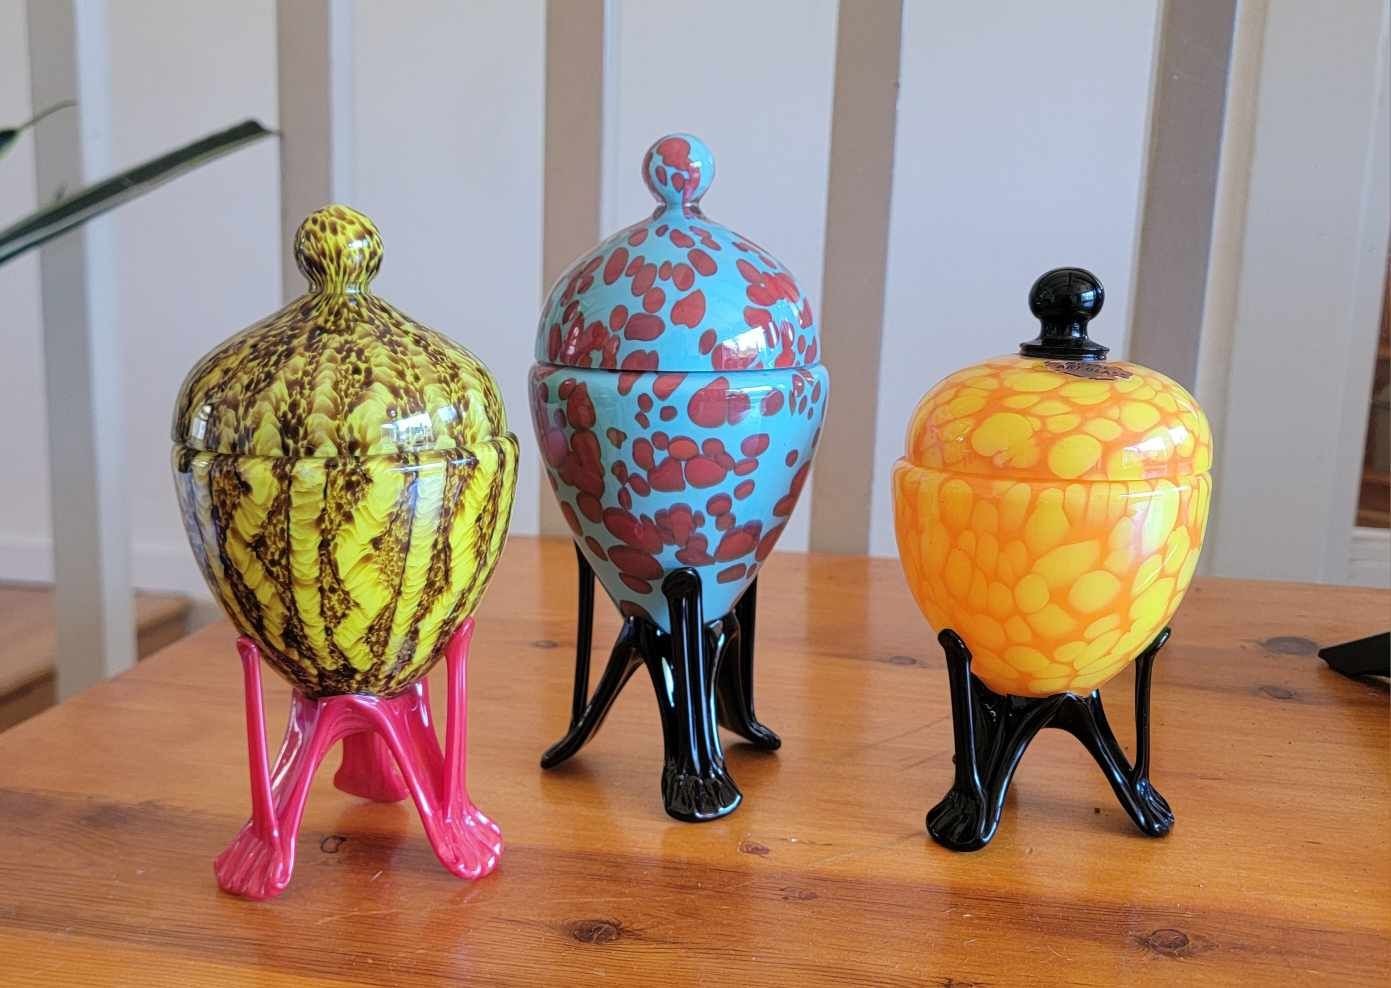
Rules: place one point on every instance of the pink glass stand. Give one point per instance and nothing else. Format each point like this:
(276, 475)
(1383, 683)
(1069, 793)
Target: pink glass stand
(389, 752)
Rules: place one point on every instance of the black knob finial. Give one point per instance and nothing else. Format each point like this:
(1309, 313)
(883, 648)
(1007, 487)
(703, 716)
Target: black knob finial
(1064, 300)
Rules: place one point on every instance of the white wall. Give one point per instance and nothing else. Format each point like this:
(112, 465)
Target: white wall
(1303, 286)
(193, 259)
(25, 522)
(448, 163)
(1020, 146)
(754, 81)
(197, 259)
(1022, 130)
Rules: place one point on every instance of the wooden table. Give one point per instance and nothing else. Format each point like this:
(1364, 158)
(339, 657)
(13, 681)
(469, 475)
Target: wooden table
(113, 805)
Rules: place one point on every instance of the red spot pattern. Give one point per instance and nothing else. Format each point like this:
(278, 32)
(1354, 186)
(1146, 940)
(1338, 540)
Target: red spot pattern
(666, 476)
(644, 326)
(715, 405)
(670, 463)
(665, 384)
(690, 310)
(704, 472)
(664, 270)
(613, 268)
(789, 500)
(675, 153)
(754, 445)
(739, 541)
(613, 311)
(633, 365)
(702, 262)
(765, 544)
(728, 357)
(644, 279)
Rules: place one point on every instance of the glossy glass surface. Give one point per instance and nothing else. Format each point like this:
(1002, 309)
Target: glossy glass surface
(390, 751)
(678, 396)
(678, 291)
(1060, 419)
(1052, 513)
(345, 476)
(655, 472)
(338, 371)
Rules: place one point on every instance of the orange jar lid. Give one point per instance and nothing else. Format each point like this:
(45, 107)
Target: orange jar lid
(1059, 409)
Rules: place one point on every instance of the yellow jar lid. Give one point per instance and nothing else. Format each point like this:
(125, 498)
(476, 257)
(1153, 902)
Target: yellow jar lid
(338, 371)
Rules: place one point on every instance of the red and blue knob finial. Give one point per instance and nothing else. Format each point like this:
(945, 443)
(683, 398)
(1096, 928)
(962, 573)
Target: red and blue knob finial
(678, 169)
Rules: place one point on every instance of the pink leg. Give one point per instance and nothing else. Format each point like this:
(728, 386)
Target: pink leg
(259, 862)
(467, 842)
(368, 770)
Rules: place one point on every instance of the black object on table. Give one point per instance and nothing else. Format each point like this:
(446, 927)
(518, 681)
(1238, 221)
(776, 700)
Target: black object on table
(1369, 656)
(703, 675)
(993, 729)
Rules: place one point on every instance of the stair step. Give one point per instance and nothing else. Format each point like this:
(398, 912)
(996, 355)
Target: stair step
(28, 643)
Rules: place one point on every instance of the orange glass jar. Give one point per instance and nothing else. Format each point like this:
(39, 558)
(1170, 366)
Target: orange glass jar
(1050, 507)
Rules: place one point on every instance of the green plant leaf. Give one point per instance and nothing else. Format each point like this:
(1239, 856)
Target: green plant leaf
(11, 134)
(60, 217)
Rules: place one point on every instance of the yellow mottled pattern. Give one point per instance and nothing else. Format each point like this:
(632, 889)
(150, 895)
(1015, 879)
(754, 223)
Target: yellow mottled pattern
(1053, 520)
(338, 371)
(350, 574)
(345, 476)
(1019, 415)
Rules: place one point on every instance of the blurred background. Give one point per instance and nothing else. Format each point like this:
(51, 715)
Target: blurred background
(1221, 165)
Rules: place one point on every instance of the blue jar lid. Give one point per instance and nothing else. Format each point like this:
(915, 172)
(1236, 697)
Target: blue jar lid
(677, 291)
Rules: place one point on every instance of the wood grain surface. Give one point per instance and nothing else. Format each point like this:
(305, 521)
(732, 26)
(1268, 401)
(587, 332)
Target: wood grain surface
(113, 805)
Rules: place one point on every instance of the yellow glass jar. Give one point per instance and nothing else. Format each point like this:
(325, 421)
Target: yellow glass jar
(345, 475)
(1051, 506)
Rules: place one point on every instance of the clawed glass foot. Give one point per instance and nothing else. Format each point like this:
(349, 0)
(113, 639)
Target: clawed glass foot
(390, 752)
(695, 797)
(255, 866)
(992, 732)
(1153, 814)
(962, 821)
(703, 677)
(753, 732)
(368, 770)
(469, 845)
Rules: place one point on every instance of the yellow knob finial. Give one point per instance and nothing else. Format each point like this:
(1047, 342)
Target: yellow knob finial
(338, 249)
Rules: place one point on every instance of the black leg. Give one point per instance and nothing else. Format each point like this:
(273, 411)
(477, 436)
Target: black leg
(734, 681)
(584, 636)
(623, 662)
(960, 820)
(684, 666)
(695, 783)
(1131, 784)
(992, 731)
